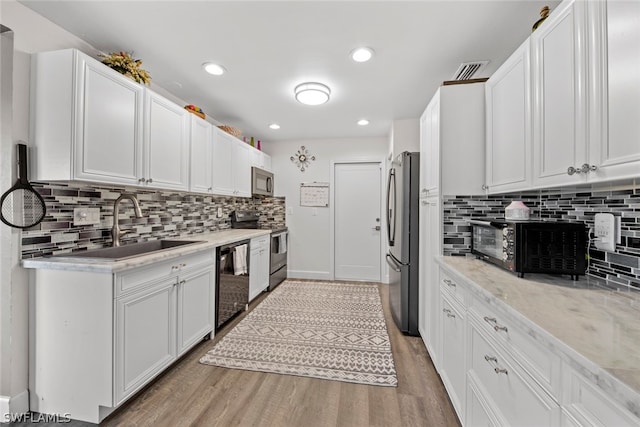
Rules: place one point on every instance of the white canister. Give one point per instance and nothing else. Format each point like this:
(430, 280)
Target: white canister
(516, 210)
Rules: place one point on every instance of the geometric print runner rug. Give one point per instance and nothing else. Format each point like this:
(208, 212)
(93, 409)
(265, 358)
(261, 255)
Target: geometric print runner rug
(328, 330)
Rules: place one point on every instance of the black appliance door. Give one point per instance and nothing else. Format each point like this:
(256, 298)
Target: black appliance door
(232, 289)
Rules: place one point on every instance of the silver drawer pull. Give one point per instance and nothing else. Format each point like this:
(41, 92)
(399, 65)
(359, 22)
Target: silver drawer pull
(446, 310)
(449, 282)
(182, 282)
(183, 265)
(490, 319)
(501, 371)
(174, 267)
(491, 358)
(498, 328)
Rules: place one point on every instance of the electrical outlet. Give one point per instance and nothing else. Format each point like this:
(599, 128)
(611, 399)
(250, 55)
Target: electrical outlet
(86, 216)
(219, 211)
(606, 229)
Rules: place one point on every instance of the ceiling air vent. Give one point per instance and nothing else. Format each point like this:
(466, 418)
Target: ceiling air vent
(466, 70)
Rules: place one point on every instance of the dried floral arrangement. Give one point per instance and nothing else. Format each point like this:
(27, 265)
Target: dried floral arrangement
(124, 63)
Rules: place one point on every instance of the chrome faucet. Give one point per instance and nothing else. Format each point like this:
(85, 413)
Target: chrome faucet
(116, 233)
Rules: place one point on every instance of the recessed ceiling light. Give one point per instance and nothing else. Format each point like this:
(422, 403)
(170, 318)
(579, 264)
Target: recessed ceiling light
(274, 126)
(362, 54)
(215, 69)
(363, 122)
(311, 93)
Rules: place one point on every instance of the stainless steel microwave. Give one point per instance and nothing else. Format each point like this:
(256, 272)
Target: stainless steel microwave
(261, 182)
(531, 246)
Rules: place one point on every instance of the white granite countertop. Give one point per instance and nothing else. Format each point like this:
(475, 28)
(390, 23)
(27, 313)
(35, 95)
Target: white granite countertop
(208, 241)
(601, 324)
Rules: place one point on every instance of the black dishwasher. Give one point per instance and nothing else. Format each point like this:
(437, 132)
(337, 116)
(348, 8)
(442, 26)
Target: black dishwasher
(232, 280)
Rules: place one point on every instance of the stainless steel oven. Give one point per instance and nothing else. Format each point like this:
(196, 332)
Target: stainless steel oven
(278, 257)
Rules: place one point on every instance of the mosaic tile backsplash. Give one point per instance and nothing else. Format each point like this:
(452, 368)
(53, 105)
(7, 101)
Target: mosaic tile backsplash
(166, 214)
(573, 204)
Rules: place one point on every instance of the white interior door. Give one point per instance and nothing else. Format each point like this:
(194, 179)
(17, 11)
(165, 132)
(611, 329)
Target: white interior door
(357, 223)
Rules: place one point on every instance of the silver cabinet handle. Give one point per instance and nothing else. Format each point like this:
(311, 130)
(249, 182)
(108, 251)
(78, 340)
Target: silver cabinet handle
(498, 328)
(501, 371)
(571, 170)
(150, 180)
(449, 282)
(485, 187)
(448, 312)
(590, 168)
(425, 191)
(490, 358)
(585, 168)
(142, 180)
(490, 319)
(182, 282)
(174, 267)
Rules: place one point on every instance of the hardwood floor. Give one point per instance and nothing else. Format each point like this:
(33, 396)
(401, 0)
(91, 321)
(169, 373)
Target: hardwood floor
(192, 394)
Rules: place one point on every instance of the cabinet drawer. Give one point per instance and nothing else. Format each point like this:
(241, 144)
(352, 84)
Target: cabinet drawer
(539, 362)
(451, 287)
(585, 404)
(517, 398)
(453, 367)
(138, 278)
(260, 242)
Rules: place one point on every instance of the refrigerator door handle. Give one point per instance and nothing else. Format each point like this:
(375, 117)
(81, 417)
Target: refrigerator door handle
(392, 263)
(391, 219)
(397, 261)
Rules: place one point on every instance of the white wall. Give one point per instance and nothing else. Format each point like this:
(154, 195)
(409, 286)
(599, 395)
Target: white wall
(405, 136)
(309, 228)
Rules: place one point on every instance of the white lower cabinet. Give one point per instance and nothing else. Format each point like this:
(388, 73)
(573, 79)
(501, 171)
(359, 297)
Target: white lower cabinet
(452, 365)
(259, 265)
(500, 369)
(100, 337)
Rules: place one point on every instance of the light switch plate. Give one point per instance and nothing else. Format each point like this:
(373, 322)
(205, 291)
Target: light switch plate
(86, 216)
(219, 211)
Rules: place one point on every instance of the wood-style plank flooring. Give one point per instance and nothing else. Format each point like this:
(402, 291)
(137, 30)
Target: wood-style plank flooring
(192, 394)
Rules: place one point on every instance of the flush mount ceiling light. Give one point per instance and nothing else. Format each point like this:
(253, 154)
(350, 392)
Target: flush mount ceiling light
(362, 54)
(311, 93)
(363, 122)
(215, 69)
(274, 126)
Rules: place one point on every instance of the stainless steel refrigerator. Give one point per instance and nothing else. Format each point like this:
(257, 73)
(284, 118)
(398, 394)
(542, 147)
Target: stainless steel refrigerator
(402, 236)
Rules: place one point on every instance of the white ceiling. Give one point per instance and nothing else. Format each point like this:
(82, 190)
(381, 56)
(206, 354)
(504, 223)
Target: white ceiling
(268, 47)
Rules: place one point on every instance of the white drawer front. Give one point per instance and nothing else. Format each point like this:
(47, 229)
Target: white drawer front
(537, 361)
(452, 287)
(138, 278)
(260, 242)
(520, 401)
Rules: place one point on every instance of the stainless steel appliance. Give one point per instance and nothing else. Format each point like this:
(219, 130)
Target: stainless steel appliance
(402, 236)
(261, 182)
(279, 244)
(232, 281)
(278, 257)
(531, 246)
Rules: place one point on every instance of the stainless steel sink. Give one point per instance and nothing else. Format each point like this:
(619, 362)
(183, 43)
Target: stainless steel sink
(129, 251)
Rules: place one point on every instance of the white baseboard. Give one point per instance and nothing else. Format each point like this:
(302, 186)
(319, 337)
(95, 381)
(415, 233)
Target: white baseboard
(18, 404)
(303, 274)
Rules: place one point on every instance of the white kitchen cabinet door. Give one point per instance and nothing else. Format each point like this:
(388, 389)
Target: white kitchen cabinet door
(508, 106)
(241, 169)
(425, 131)
(453, 367)
(109, 124)
(195, 307)
(429, 291)
(201, 169)
(145, 336)
(259, 266)
(430, 158)
(223, 177)
(614, 89)
(559, 103)
(166, 143)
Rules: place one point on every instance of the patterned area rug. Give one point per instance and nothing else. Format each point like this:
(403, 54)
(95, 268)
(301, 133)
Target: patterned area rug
(328, 330)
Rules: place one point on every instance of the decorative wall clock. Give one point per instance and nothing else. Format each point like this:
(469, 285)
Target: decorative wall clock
(302, 159)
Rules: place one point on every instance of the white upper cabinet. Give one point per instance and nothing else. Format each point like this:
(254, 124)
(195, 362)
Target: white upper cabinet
(452, 134)
(86, 120)
(166, 143)
(508, 107)
(201, 170)
(559, 102)
(614, 90)
(232, 166)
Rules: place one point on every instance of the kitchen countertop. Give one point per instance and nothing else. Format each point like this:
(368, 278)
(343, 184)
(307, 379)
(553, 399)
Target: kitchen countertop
(209, 241)
(599, 323)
